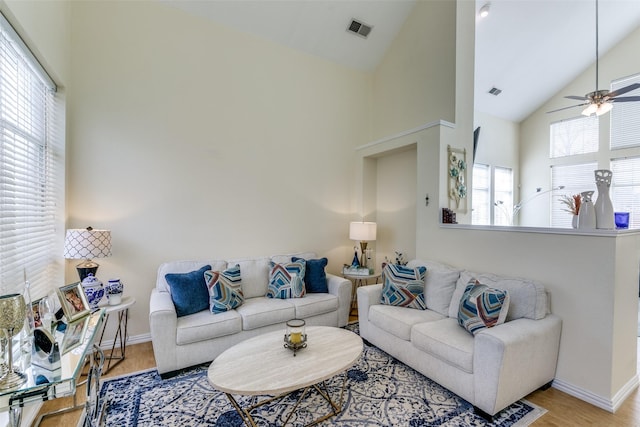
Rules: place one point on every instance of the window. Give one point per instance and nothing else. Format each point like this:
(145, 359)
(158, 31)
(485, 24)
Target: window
(31, 170)
(503, 195)
(492, 199)
(625, 117)
(625, 188)
(575, 179)
(574, 136)
(481, 196)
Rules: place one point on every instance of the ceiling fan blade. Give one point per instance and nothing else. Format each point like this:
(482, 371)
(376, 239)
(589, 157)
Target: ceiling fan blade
(566, 108)
(626, 99)
(623, 90)
(579, 98)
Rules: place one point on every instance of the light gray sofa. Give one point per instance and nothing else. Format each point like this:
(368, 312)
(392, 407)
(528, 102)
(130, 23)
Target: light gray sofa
(492, 369)
(180, 342)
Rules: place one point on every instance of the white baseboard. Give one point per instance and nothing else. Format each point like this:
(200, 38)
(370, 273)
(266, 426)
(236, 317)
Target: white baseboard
(609, 405)
(136, 339)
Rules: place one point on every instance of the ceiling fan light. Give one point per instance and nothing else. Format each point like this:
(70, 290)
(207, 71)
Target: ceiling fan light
(604, 108)
(591, 108)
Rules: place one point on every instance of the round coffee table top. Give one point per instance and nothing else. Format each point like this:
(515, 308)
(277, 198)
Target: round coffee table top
(261, 365)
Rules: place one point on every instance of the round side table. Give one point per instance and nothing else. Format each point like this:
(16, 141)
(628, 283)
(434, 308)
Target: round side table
(121, 335)
(358, 281)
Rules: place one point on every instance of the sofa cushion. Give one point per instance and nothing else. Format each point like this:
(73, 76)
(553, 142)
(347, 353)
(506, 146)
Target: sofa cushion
(255, 275)
(225, 292)
(482, 307)
(263, 311)
(189, 291)
(286, 280)
(204, 326)
(527, 298)
(447, 341)
(440, 283)
(315, 278)
(314, 305)
(403, 286)
(183, 267)
(279, 259)
(398, 321)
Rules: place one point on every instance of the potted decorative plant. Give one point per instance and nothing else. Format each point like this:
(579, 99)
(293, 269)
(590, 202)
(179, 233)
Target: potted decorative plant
(572, 205)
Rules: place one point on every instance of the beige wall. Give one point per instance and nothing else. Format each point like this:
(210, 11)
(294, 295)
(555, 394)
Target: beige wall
(190, 141)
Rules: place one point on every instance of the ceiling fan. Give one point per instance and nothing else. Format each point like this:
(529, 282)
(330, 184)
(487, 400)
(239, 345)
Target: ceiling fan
(601, 101)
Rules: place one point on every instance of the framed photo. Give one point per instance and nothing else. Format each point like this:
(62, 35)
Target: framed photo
(74, 335)
(74, 301)
(35, 311)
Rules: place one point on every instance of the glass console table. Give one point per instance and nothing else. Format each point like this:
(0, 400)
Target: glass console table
(77, 345)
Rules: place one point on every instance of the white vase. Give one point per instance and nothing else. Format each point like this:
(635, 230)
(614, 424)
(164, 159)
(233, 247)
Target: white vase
(603, 205)
(574, 221)
(587, 213)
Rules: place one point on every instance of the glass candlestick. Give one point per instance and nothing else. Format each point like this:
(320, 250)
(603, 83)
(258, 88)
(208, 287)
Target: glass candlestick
(295, 338)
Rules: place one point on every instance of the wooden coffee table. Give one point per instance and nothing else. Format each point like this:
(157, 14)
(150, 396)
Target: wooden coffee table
(261, 366)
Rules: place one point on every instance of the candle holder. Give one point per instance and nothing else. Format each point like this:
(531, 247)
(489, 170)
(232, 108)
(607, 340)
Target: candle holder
(12, 317)
(295, 338)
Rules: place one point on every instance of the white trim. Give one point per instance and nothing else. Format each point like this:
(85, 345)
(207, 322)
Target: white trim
(609, 405)
(542, 230)
(407, 132)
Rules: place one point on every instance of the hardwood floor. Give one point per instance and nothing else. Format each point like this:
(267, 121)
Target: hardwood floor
(563, 410)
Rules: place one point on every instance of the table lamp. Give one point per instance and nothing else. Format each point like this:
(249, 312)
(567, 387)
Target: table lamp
(364, 232)
(12, 315)
(87, 243)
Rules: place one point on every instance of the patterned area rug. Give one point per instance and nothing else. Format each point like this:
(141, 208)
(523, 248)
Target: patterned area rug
(380, 392)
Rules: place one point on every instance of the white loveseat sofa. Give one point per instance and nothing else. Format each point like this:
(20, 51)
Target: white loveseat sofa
(492, 369)
(180, 342)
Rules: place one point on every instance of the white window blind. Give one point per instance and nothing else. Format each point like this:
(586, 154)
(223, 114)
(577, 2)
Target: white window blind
(481, 212)
(575, 179)
(574, 136)
(625, 116)
(625, 188)
(503, 195)
(31, 171)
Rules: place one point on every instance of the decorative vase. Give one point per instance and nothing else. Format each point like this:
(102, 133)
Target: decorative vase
(574, 221)
(587, 213)
(114, 290)
(603, 205)
(93, 289)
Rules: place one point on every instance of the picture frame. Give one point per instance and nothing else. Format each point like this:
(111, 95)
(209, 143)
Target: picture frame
(74, 335)
(73, 301)
(35, 312)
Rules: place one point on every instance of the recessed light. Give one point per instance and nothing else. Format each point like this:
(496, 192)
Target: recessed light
(484, 10)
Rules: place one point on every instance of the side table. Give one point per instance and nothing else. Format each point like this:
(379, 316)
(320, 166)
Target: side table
(121, 335)
(358, 281)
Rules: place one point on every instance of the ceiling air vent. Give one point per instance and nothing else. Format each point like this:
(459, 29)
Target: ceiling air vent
(359, 28)
(495, 91)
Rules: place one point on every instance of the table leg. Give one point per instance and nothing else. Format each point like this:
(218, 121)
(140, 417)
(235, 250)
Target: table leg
(120, 337)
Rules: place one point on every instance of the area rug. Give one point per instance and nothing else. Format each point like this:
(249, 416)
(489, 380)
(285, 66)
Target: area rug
(380, 392)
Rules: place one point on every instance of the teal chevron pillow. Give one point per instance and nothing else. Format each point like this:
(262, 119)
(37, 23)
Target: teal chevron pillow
(482, 307)
(225, 292)
(403, 286)
(286, 280)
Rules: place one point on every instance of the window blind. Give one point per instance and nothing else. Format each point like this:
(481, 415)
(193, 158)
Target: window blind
(31, 171)
(625, 188)
(574, 136)
(481, 211)
(575, 179)
(503, 195)
(625, 117)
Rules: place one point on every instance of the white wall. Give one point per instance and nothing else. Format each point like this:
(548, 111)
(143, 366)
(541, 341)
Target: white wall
(191, 141)
(621, 61)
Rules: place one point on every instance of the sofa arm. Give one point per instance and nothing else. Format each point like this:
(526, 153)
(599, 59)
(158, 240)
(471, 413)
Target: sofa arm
(163, 322)
(513, 359)
(367, 296)
(340, 287)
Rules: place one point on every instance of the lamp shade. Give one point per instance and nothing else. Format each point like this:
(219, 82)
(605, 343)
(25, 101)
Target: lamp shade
(87, 243)
(363, 231)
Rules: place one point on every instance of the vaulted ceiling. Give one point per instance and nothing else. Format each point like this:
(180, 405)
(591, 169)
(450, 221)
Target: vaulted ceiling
(530, 49)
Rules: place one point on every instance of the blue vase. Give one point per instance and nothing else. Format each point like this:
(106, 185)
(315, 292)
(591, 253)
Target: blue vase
(93, 289)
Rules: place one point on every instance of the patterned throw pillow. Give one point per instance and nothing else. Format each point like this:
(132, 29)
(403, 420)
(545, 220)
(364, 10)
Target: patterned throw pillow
(286, 280)
(482, 307)
(404, 286)
(225, 292)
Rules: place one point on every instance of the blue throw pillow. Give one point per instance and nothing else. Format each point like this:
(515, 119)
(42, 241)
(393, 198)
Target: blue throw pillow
(315, 278)
(189, 291)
